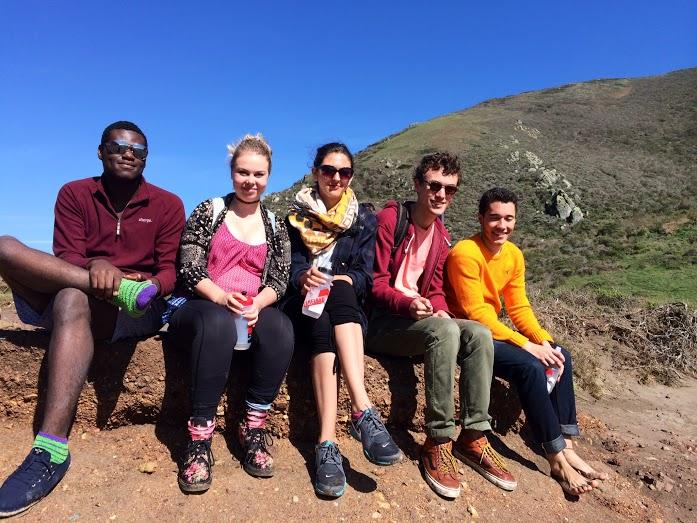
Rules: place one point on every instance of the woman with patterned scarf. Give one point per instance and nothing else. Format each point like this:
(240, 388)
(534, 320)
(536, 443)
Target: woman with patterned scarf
(327, 226)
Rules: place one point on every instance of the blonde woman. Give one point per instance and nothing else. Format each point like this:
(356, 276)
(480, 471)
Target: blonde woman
(225, 257)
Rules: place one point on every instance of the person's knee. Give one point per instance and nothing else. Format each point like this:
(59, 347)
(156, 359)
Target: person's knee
(8, 249)
(444, 337)
(481, 335)
(276, 327)
(533, 371)
(217, 321)
(71, 306)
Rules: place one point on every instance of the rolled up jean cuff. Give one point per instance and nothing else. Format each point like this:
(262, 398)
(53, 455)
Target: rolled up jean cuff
(448, 432)
(570, 430)
(477, 425)
(556, 445)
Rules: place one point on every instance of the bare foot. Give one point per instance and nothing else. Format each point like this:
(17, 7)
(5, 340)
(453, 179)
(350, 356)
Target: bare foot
(581, 466)
(570, 480)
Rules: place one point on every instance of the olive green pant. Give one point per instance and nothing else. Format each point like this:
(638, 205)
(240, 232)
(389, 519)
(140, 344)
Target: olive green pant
(444, 342)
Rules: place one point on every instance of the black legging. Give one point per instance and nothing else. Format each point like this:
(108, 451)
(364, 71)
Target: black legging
(210, 331)
(342, 307)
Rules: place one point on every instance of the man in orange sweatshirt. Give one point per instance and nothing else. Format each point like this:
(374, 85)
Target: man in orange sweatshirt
(481, 270)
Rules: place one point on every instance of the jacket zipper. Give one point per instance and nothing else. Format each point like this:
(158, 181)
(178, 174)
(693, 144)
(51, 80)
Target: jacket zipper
(118, 220)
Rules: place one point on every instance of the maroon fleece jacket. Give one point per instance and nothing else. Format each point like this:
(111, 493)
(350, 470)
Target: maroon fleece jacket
(144, 240)
(385, 269)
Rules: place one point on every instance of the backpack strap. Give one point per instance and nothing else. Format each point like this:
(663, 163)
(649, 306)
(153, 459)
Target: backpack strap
(401, 227)
(218, 206)
(272, 219)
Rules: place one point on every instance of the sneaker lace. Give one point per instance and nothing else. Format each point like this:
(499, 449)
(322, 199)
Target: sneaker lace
(372, 424)
(330, 455)
(34, 469)
(489, 451)
(258, 439)
(446, 463)
(199, 449)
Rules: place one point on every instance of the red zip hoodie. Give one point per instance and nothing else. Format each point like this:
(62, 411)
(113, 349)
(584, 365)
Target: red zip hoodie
(144, 240)
(385, 269)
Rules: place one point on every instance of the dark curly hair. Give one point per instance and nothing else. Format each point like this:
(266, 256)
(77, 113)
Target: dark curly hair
(497, 194)
(449, 163)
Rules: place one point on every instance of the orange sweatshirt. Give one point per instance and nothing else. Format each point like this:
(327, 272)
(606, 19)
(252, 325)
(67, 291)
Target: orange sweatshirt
(475, 280)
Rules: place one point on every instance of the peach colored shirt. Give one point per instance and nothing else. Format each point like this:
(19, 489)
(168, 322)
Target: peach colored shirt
(407, 281)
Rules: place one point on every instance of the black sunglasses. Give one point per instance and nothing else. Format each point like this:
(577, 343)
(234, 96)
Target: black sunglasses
(435, 187)
(139, 150)
(345, 173)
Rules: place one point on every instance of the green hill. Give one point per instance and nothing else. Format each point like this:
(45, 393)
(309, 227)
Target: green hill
(620, 155)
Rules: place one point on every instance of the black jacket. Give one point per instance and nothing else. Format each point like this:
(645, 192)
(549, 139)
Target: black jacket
(353, 255)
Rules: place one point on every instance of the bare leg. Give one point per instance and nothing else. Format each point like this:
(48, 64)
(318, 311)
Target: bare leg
(70, 354)
(36, 275)
(571, 481)
(579, 464)
(326, 388)
(349, 341)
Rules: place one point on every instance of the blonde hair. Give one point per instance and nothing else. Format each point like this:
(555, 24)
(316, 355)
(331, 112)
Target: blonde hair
(253, 143)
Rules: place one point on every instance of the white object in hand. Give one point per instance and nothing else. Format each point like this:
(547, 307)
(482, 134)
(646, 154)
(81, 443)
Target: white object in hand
(552, 373)
(244, 333)
(316, 298)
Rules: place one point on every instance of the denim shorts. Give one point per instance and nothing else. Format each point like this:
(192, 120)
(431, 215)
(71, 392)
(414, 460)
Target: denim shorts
(126, 327)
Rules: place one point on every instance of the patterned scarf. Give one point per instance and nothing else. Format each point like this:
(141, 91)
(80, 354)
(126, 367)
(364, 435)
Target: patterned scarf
(318, 226)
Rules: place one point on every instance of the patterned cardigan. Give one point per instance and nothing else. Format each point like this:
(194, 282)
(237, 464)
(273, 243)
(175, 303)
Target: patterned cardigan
(192, 262)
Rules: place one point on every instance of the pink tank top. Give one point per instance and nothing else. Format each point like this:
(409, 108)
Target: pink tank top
(234, 265)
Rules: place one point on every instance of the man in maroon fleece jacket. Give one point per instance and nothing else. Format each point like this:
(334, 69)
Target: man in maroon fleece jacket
(111, 233)
(410, 317)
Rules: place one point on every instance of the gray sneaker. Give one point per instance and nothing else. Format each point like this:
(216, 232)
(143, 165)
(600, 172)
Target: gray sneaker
(330, 479)
(378, 445)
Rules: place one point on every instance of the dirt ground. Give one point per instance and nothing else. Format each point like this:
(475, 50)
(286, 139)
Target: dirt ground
(644, 436)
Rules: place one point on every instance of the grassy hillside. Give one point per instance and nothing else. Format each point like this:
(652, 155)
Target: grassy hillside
(625, 152)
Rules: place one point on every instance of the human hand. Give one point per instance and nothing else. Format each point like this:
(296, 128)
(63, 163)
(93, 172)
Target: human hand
(104, 279)
(313, 277)
(441, 314)
(545, 353)
(545, 343)
(251, 312)
(235, 302)
(420, 308)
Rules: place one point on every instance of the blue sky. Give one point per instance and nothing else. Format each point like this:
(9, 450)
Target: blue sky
(196, 77)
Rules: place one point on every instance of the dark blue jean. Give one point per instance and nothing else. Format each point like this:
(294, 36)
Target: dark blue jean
(551, 416)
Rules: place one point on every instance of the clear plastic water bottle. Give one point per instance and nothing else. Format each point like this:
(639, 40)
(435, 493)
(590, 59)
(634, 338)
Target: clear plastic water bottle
(244, 331)
(317, 297)
(552, 373)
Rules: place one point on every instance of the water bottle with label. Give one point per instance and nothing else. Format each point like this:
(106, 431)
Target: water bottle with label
(317, 297)
(552, 373)
(244, 331)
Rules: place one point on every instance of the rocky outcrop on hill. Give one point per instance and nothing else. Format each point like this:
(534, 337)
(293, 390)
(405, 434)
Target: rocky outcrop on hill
(547, 180)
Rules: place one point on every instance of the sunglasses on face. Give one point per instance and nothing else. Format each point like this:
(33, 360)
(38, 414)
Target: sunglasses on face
(345, 173)
(435, 187)
(139, 150)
